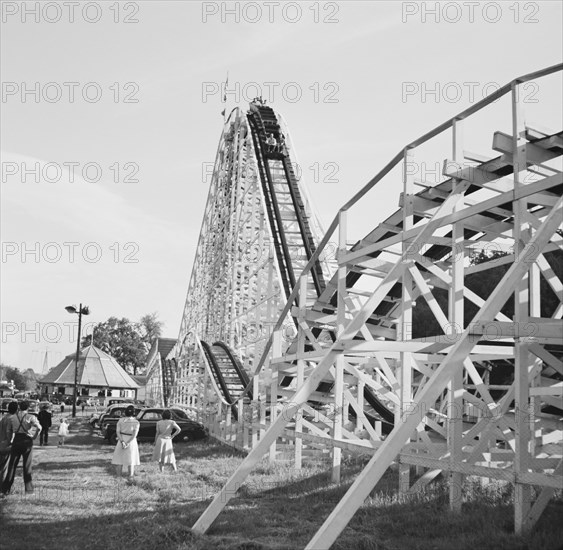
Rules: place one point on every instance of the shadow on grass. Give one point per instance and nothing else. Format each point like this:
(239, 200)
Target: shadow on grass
(277, 524)
(205, 448)
(277, 509)
(72, 465)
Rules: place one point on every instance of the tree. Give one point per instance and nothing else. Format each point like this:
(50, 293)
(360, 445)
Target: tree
(151, 327)
(10, 373)
(127, 342)
(31, 383)
(119, 338)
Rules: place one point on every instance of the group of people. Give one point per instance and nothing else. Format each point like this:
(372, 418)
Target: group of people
(45, 418)
(126, 453)
(18, 430)
(274, 146)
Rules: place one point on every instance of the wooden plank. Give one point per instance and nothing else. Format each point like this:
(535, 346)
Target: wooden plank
(541, 480)
(447, 219)
(541, 502)
(372, 473)
(496, 330)
(535, 153)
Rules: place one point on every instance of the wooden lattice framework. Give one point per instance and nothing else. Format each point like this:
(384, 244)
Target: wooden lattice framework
(235, 294)
(449, 418)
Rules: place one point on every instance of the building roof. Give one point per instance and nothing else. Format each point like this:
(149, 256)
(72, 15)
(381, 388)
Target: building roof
(95, 368)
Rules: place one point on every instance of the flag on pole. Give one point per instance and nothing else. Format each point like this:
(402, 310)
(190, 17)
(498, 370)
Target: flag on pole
(225, 89)
(225, 96)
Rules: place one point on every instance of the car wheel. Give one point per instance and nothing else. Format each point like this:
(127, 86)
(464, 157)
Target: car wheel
(184, 437)
(113, 439)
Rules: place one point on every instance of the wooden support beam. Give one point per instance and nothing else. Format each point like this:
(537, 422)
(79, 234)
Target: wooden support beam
(456, 324)
(543, 499)
(522, 495)
(465, 213)
(372, 473)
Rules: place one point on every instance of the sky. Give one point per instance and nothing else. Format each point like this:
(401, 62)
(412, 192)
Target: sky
(111, 116)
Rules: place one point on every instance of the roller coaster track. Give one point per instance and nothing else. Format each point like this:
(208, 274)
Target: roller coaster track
(168, 379)
(463, 357)
(258, 233)
(288, 223)
(229, 375)
(279, 181)
(277, 185)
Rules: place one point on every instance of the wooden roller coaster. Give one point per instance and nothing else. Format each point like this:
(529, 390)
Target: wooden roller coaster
(434, 342)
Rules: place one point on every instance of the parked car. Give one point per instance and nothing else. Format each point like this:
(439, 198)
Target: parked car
(188, 413)
(114, 413)
(33, 405)
(4, 404)
(113, 400)
(147, 430)
(94, 420)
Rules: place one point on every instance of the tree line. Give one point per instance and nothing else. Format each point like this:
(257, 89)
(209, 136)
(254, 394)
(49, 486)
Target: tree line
(127, 342)
(23, 380)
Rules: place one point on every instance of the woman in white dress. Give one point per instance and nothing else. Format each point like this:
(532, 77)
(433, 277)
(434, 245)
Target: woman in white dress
(166, 431)
(126, 451)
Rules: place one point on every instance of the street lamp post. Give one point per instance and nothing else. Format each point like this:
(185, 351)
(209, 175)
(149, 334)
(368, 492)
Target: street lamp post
(80, 311)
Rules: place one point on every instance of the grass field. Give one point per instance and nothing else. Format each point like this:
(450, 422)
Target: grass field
(80, 503)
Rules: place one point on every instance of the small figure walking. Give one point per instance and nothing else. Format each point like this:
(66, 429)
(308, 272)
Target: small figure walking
(45, 420)
(166, 431)
(63, 431)
(62, 407)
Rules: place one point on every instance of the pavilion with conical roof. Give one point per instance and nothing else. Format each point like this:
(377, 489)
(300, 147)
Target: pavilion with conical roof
(99, 374)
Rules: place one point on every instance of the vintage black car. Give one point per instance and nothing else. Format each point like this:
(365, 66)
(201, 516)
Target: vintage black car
(33, 406)
(4, 404)
(149, 417)
(115, 412)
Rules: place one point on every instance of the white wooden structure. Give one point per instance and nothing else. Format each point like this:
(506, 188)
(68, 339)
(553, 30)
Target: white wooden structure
(361, 336)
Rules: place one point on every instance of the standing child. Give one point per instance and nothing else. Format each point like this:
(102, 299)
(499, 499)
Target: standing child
(63, 431)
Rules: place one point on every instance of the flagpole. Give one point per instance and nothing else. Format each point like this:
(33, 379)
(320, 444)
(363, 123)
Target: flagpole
(225, 98)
